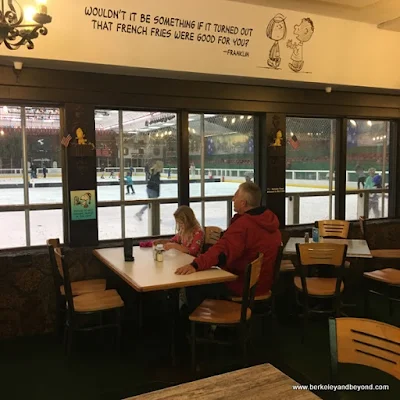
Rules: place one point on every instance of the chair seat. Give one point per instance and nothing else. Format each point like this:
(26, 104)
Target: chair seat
(387, 275)
(386, 253)
(262, 297)
(89, 286)
(286, 266)
(218, 312)
(98, 301)
(319, 286)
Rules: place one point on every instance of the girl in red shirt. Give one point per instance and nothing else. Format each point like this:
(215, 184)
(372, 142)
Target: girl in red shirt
(190, 235)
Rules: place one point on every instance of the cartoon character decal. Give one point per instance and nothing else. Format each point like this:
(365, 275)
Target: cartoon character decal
(277, 141)
(303, 33)
(84, 200)
(276, 30)
(80, 136)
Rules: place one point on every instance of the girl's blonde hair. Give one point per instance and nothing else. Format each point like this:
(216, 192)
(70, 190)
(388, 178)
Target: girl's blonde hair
(185, 215)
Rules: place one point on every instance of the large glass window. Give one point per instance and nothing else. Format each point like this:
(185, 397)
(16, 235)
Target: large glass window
(221, 156)
(310, 169)
(136, 161)
(30, 177)
(367, 169)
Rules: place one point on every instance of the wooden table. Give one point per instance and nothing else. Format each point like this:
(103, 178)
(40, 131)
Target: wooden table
(260, 382)
(146, 275)
(355, 248)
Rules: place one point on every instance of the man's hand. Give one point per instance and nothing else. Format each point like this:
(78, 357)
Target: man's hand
(185, 270)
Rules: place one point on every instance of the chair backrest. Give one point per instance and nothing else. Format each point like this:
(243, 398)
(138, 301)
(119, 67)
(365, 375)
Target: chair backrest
(362, 227)
(57, 275)
(317, 254)
(251, 276)
(277, 267)
(60, 260)
(333, 228)
(365, 342)
(321, 254)
(211, 236)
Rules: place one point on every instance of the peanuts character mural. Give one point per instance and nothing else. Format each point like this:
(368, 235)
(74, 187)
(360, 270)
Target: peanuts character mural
(84, 200)
(303, 33)
(80, 136)
(276, 30)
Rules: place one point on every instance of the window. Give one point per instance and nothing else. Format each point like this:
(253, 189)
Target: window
(310, 168)
(149, 147)
(30, 181)
(221, 156)
(367, 168)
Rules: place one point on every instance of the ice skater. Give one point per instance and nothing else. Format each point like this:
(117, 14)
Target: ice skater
(153, 186)
(129, 183)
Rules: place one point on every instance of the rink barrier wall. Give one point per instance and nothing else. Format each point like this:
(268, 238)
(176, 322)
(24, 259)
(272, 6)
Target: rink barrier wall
(27, 301)
(40, 183)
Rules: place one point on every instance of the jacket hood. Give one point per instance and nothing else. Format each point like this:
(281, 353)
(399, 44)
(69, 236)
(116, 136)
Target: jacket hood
(263, 217)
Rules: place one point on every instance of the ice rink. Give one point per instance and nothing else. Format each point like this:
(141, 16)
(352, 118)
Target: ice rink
(45, 224)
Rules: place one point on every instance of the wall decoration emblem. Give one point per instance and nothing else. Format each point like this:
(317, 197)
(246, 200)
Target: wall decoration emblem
(65, 140)
(83, 205)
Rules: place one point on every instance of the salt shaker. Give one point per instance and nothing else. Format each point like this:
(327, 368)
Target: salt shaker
(159, 251)
(306, 237)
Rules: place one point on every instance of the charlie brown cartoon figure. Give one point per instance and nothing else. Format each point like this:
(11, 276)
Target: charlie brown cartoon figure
(303, 32)
(276, 30)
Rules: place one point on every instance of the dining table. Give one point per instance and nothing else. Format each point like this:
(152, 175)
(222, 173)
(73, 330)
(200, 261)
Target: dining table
(261, 382)
(146, 274)
(356, 248)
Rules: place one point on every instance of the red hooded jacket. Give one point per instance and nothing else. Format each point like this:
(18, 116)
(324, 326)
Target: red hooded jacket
(256, 231)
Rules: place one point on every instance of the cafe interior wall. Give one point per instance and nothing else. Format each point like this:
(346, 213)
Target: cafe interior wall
(338, 52)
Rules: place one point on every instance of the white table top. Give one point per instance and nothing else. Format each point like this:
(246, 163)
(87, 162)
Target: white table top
(146, 275)
(260, 382)
(356, 248)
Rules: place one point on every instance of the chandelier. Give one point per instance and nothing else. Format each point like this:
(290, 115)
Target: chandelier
(20, 27)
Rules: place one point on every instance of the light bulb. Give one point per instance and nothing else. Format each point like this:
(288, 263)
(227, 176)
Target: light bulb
(29, 12)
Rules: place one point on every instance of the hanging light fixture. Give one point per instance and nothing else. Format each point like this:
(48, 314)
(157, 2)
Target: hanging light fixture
(20, 27)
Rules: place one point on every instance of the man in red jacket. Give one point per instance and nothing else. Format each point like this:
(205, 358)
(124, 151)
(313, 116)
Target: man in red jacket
(253, 230)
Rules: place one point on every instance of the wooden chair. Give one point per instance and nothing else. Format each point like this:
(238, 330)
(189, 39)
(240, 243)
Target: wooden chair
(228, 313)
(333, 228)
(95, 304)
(264, 305)
(311, 255)
(211, 236)
(78, 287)
(364, 342)
(382, 282)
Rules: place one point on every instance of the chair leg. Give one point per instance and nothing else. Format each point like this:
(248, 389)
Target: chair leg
(305, 320)
(65, 340)
(118, 337)
(244, 344)
(366, 302)
(70, 339)
(193, 343)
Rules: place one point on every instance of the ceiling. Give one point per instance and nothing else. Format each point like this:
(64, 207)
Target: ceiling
(383, 13)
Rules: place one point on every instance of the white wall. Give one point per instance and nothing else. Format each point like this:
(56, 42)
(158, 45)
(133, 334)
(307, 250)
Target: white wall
(339, 52)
